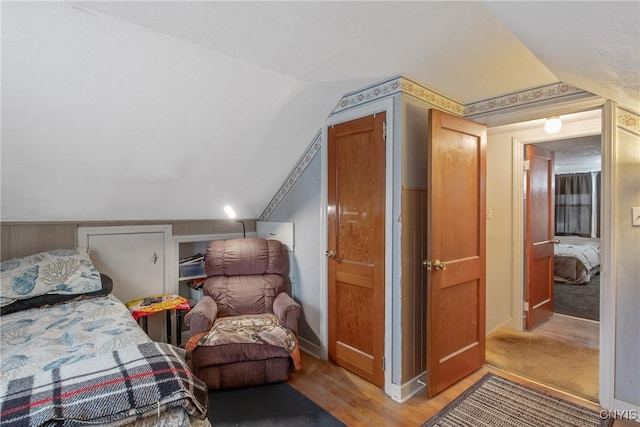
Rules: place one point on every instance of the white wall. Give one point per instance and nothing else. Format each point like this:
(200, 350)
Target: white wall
(301, 206)
(498, 232)
(103, 119)
(627, 268)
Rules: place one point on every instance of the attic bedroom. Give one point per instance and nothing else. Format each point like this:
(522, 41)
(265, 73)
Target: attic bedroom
(577, 225)
(136, 135)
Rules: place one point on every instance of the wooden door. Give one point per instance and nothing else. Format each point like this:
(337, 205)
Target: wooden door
(539, 224)
(456, 215)
(356, 246)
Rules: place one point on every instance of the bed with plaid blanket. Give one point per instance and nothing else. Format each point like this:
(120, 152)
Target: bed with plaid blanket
(125, 386)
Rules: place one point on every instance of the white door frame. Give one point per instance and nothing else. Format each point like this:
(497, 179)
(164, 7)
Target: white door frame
(606, 128)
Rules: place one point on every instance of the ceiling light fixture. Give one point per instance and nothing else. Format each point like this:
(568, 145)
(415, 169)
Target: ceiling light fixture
(553, 124)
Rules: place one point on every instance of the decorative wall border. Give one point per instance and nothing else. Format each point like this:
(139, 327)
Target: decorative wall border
(416, 90)
(628, 120)
(391, 87)
(302, 164)
(368, 94)
(525, 97)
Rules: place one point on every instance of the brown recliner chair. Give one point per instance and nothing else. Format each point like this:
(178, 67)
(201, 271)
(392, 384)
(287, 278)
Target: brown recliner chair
(245, 278)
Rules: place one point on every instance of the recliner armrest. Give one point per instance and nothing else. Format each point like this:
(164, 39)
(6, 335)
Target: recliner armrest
(287, 311)
(202, 316)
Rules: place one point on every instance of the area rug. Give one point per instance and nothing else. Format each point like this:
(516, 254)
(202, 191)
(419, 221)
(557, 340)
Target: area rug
(268, 405)
(565, 366)
(578, 300)
(496, 401)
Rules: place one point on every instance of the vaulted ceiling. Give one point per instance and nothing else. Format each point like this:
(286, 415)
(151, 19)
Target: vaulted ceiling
(246, 85)
(467, 51)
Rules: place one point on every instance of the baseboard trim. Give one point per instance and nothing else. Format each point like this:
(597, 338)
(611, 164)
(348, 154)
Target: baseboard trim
(504, 324)
(404, 392)
(310, 348)
(577, 318)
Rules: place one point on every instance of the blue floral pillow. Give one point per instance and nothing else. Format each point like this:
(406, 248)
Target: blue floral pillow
(59, 271)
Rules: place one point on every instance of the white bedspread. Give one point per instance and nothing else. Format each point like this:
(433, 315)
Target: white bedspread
(577, 259)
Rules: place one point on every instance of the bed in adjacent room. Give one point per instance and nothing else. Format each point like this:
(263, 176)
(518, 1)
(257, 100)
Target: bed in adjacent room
(576, 259)
(72, 351)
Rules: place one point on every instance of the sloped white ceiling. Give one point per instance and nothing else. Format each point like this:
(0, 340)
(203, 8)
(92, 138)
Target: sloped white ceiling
(435, 43)
(593, 45)
(170, 110)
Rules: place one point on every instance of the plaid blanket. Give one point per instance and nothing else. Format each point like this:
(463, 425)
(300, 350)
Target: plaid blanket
(118, 387)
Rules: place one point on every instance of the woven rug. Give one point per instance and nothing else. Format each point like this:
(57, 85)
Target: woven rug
(498, 402)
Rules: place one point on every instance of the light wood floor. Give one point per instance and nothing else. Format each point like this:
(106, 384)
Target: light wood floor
(358, 403)
(570, 329)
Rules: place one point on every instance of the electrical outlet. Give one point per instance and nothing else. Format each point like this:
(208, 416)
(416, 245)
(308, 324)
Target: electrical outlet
(635, 216)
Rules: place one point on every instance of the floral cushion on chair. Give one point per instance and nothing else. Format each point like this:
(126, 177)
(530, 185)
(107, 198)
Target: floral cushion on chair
(60, 271)
(249, 329)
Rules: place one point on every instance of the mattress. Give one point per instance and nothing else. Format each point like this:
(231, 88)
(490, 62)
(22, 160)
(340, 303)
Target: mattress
(576, 259)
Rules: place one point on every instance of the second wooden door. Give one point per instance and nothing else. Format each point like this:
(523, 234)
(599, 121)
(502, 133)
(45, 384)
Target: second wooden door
(455, 250)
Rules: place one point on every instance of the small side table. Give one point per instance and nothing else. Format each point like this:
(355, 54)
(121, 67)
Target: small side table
(169, 302)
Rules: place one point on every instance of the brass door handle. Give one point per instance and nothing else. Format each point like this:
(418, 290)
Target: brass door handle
(439, 265)
(330, 254)
(555, 241)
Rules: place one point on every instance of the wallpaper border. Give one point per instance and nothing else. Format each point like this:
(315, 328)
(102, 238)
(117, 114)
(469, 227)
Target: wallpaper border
(628, 120)
(399, 84)
(299, 168)
(525, 97)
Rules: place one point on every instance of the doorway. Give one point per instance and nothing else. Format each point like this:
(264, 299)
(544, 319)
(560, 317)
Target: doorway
(574, 326)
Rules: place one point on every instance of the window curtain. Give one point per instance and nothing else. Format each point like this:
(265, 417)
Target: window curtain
(574, 204)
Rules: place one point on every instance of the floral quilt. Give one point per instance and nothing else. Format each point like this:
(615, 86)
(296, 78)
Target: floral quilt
(42, 339)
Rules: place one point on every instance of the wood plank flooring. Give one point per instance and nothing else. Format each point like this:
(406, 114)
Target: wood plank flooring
(570, 329)
(358, 403)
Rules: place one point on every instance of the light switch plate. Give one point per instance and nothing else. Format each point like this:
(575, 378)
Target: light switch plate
(635, 212)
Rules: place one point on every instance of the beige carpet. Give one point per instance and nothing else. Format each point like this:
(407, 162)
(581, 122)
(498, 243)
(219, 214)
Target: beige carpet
(561, 365)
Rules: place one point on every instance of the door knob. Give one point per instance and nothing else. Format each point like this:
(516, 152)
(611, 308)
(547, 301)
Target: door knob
(439, 265)
(330, 254)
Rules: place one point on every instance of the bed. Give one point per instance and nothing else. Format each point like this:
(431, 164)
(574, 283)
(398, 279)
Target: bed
(73, 355)
(576, 259)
